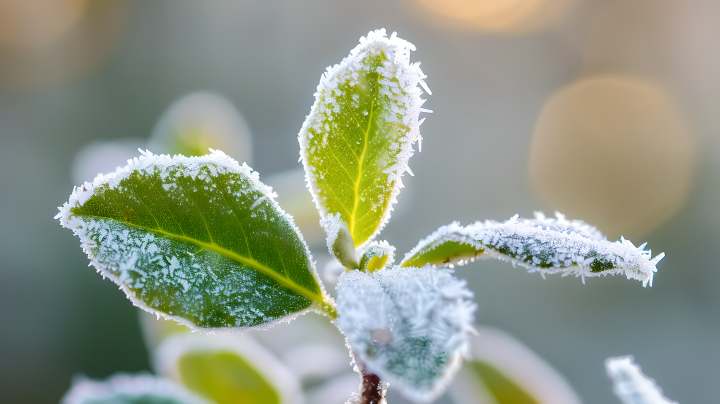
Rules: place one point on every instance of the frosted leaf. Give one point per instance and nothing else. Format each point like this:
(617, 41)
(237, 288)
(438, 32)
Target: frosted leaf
(407, 325)
(197, 239)
(129, 389)
(227, 369)
(358, 138)
(378, 255)
(339, 241)
(631, 385)
(540, 245)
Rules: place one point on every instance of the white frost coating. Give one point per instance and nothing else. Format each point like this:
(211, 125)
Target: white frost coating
(549, 246)
(283, 381)
(631, 385)
(216, 162)
(398, 67)
(409, 326)
(86, 391)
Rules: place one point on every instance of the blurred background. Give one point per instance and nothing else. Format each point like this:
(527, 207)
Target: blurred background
(608, 111)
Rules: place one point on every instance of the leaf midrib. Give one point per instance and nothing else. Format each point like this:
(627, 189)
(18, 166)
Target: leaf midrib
(260, 267)
(356, 201)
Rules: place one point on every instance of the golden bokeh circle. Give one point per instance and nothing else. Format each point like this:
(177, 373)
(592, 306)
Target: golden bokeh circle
(499, 16)
(613, 151)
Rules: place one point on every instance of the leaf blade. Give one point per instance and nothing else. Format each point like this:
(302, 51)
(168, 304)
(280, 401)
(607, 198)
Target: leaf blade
(170, 231)
(540, 245)
(356, 142)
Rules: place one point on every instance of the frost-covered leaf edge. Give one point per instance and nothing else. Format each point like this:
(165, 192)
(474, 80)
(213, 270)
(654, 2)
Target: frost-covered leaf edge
(631, 385)
(146, 159)
(255, 355)
(640, 266)
(414, 110)
(83, 389)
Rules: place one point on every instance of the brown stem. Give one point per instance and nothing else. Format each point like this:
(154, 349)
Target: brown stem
(372, 389)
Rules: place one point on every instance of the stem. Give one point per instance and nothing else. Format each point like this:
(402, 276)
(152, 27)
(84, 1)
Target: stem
(328, 308)
(372, 389)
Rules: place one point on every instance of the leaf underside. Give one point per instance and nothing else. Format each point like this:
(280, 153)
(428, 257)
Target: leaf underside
(196, 239)
(358, 137)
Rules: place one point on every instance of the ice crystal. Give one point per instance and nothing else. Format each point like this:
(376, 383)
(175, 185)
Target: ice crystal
(631, 385)
(407, 325)
(543, 245)
(124, 388)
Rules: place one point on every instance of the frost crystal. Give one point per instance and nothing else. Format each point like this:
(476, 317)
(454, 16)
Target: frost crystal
(358, 138)
(541, 245)
(123, 388)
(407, 325)
(631, 385)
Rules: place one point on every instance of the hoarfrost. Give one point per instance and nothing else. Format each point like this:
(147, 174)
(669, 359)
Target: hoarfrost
(631, 385)
(547, 246)
(399, 83)
(407, 325)
(128, 388)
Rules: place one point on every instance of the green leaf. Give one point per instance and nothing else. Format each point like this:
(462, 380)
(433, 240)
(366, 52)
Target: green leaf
(129, 389)
(356, 142)
(226, 369)
(541, 245)
(202, 120)
(197, 239)
(502, 388)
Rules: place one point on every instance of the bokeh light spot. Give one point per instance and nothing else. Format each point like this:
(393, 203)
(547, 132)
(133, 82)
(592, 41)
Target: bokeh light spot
(501, 16)
(613, 151)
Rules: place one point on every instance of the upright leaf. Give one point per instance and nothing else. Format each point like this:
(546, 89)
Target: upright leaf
(356, 142)
(196, 239)
(541, 244)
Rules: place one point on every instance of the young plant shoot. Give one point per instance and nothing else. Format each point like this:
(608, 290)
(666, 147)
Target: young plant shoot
(202, 241)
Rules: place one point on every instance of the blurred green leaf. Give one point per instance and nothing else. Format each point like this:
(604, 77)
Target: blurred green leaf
(502, 388)
(226, 378)
(129, 389)
(200, 240)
